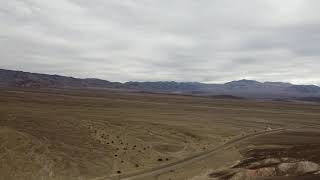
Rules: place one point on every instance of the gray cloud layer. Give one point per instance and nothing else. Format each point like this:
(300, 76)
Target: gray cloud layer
(181, 40)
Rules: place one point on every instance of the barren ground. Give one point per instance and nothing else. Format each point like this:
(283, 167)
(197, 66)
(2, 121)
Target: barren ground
(85, 134)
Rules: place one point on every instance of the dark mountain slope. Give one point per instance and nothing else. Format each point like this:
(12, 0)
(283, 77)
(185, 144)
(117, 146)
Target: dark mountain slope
(304, 89)
(242, 88)
(26, 79)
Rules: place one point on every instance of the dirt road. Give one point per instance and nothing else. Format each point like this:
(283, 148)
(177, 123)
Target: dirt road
(169, 167)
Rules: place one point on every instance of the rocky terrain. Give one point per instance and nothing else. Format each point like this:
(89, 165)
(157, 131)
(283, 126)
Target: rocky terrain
(292, 154)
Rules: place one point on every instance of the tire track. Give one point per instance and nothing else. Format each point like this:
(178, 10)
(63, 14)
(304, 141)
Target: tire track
(188, 160)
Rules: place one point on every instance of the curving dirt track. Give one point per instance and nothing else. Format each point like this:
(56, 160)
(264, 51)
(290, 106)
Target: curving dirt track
(169, 167)
(72, 135)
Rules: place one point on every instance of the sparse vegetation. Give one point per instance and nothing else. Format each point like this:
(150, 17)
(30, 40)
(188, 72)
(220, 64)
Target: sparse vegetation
(98, 132)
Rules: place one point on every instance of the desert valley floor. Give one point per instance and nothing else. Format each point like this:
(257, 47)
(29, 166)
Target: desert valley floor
(94, 134)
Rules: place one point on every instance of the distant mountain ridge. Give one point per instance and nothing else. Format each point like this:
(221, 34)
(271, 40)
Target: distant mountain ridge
(25, 79)
(241, 88)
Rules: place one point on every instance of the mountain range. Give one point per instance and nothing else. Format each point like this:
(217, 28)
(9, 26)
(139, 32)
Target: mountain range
(240, 88)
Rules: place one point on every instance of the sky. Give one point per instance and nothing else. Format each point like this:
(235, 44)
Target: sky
(209, 41)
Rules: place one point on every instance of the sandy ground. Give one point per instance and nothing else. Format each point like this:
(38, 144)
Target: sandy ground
(60, 134)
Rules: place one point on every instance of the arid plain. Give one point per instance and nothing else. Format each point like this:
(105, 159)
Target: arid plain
(95, 134)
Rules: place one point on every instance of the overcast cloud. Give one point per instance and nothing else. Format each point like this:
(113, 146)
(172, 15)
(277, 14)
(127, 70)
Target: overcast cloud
(152, 40)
